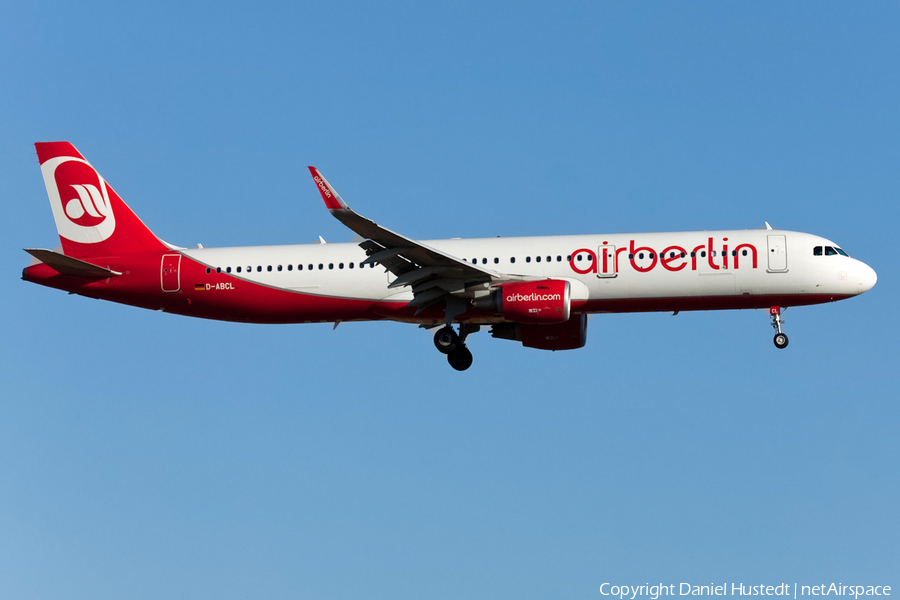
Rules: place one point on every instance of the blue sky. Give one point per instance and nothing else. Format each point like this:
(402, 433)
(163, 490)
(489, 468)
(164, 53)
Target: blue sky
(146, 455)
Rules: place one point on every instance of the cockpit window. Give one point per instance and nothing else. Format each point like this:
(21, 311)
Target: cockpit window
(817, 251)
(829, 251)
(841, 252)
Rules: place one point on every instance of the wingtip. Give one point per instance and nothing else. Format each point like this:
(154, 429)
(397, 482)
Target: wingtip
(332, 200)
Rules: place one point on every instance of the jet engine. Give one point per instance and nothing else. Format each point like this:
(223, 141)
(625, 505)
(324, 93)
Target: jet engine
(558, 336)
(546, 301)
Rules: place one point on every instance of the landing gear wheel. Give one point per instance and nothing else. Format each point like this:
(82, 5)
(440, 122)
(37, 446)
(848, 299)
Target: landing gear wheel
(781, 340)
(446, 340)
(460, 359)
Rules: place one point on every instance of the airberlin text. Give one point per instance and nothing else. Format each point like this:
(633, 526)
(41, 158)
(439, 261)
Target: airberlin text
(533, 297)
(672, 258)
(792, 590)
(322, 186)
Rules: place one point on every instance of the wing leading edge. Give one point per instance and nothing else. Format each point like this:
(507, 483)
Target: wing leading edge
(433, 275)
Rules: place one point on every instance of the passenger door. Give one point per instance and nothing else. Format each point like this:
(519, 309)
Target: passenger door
(777, 254)
(169, 275)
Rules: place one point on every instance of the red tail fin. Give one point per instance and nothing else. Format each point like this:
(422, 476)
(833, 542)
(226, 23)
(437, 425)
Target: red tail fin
(92, 220)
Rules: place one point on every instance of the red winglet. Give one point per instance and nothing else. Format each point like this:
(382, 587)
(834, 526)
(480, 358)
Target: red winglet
(332, 200)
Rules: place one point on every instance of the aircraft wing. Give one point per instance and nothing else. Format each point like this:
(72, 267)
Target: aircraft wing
(431, 273)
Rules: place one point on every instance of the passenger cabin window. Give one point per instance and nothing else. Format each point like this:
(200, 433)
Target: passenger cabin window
(207, 270)
(279, 267)
(269, 268)
(496, 261)
(259, 269)
(351, 265)
(238, 269)
(218, 269)
(528, 259)
(228, 269)
(537, 258)
(512, 260)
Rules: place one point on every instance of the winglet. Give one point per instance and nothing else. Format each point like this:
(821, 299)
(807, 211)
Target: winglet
(332, 200)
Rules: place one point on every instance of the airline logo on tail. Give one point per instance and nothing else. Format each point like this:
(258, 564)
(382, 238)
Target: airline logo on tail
(79, 198)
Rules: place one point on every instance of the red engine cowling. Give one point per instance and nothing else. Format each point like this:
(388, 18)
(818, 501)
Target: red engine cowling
(546, 301)
(558, 336)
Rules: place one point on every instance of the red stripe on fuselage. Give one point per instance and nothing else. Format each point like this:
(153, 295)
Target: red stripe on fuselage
(226, 297)
(747, 301)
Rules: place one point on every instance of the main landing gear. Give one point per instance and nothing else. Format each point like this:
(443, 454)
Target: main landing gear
(453, 344)
(781, 340)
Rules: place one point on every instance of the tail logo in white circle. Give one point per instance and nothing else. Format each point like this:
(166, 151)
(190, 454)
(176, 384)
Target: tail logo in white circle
(79, 198)
(89, 201)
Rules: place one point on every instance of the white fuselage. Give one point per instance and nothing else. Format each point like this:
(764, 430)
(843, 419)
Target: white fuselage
(715, 264)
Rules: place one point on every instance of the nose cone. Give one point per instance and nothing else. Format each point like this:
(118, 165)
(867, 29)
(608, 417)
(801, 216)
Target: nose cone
(867, 278)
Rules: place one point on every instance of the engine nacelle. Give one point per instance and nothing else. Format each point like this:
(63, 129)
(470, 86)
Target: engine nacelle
(558, 336)
(545, 301)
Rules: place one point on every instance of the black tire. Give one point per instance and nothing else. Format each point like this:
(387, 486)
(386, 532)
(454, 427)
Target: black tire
(781, 341)
(446, 340)
(460, 359)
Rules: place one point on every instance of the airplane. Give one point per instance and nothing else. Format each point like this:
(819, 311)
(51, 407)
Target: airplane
(537, 291)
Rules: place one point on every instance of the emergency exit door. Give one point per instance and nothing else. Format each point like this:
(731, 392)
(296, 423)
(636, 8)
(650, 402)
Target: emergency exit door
(606, 257)
(169, 272)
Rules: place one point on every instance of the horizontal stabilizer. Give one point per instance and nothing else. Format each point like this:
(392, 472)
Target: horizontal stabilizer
(66, 265)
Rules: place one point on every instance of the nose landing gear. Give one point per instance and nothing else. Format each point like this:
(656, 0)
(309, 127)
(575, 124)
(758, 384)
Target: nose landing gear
(781, 340)
(453, 344)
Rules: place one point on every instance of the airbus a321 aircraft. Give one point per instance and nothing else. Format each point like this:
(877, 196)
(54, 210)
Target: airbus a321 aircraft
(534, 290)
